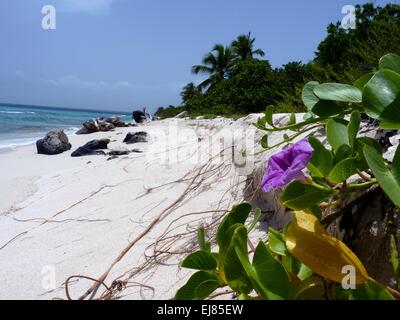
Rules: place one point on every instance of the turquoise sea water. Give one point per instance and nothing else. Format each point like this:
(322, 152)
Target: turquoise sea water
(23, 124)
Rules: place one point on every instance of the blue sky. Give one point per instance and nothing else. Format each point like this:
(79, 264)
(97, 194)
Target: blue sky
(127, 54)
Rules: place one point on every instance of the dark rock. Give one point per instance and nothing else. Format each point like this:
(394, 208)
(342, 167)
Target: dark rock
(116, 121)
(101, 124)
(91, 148)
(138, 116)
(112, 158)
(135, 137)
(105, 126)
(114, 154)
(82, 152)
(54, 142)
(91, 125)
(83, 131)
(119, 152)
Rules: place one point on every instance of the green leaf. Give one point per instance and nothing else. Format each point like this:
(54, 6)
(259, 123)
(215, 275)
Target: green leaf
(394, 259)
(188, 291)
(338, 92)
(316, 211)
(389, 180)
(359, 148)
(304, 272)
(326, 108)
(276, 242)
(390, 117)
(298, 196)
(234, 271)
(264, 141)
(269, 277)
(322, 159)
(206, 288)
(261, 123)
(354, 125)
(257, 216)
(311, 289)
(342, 153)
(343, 170)
(337, 133)
(200, 260)
(308, 95)
(292, 119)
(390, 61)
(366, 291)
(296, 267)
(360, 83)
(201, 240)
(269, 112)
(380, 92)
(308, 116)
(238, 214)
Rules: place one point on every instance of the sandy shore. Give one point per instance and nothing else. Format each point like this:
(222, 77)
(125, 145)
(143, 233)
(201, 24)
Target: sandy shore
(63, 216)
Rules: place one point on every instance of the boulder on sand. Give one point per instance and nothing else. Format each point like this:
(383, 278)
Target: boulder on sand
(92, 148)
(135, 137)
(138, 116)
(54, 142)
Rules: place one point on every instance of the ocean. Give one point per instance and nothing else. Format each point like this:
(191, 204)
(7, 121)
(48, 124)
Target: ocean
(24, 124)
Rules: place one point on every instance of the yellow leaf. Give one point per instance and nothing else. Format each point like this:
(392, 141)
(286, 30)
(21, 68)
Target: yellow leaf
(308, 241)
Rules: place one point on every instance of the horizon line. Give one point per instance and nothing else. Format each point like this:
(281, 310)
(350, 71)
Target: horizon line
(65, 108)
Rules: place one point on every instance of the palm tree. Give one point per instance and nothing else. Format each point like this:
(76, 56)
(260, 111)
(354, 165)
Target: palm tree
(243, 47)
(216, 64)
(188, 92)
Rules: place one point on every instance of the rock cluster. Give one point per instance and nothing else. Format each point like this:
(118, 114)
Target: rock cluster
(101, 124)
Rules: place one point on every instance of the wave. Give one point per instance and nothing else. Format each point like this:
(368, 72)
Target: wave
(20, 142)
(11, 144)
(18, 112)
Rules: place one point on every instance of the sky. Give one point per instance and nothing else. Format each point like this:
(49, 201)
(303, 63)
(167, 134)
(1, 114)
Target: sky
(127, 54)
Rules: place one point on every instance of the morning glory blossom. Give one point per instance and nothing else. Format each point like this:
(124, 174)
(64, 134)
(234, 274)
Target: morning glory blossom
(286, 166)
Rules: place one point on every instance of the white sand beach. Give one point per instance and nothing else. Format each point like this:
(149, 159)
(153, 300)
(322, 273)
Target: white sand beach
(64, 216)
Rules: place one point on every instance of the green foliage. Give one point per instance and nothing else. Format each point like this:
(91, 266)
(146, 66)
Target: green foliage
(322, 159)
(298, 196)
(168, 112)
(389, 179)
(200, 260)
(298, 263)
(238, 83)
(337, 133)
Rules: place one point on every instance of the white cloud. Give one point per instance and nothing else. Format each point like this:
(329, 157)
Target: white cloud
(75, 82)
(86, 6)
(124, 85)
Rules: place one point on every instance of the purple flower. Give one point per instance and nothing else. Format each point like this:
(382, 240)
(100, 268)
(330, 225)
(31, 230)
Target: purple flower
(287, 166)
